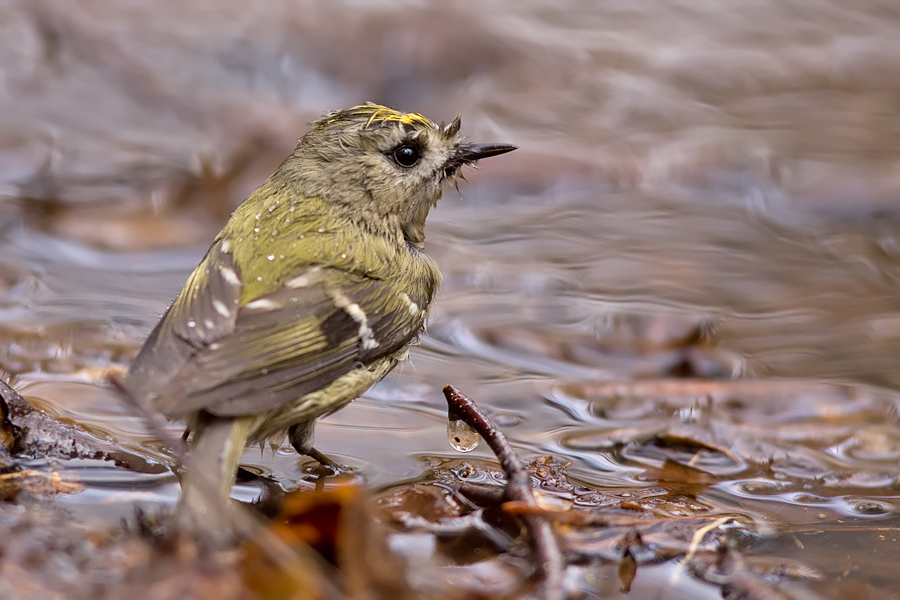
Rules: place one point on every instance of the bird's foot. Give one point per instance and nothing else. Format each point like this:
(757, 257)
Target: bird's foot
(327, 463)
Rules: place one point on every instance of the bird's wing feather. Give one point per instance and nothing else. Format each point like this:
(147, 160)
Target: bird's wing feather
(288, 343)
(205, 312)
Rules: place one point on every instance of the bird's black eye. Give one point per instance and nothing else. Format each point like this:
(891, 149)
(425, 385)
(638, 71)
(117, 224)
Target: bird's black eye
(406, 155)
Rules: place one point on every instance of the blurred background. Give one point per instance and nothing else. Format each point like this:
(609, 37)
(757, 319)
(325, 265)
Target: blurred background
(703, 192)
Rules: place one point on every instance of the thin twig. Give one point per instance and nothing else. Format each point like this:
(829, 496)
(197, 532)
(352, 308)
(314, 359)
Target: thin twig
(518, 488)
(696, 540)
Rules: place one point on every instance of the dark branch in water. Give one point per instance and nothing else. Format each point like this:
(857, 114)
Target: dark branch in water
(518, 489)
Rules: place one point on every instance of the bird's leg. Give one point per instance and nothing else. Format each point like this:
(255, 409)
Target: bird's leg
(205, 509)
(302, 437)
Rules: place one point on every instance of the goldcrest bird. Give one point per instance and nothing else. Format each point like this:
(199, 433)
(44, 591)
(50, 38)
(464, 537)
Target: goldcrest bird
(312, 292)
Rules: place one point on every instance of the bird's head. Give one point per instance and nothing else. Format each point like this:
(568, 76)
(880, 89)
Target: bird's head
(382, 163)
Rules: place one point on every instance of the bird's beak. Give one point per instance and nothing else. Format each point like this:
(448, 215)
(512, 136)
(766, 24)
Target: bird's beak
(471, 152)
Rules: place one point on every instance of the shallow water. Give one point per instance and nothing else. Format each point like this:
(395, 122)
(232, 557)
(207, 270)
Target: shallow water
(701, 193)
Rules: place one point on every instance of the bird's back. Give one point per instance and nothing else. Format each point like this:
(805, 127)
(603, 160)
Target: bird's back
(235, 344)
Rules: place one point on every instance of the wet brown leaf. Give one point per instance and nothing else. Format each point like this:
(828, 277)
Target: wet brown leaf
(682, 479)
(425, 501)
(37, 484)
(339, 525)
(739, 579)
(627, 572)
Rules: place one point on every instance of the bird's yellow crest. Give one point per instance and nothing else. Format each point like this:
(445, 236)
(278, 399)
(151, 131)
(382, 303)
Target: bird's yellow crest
(379, 115)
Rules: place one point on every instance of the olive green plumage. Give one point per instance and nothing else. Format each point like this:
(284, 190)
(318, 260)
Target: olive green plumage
(311, 293)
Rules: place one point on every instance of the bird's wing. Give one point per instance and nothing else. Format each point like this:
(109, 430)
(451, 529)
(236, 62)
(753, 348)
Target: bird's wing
(203, 313)
(282, 345)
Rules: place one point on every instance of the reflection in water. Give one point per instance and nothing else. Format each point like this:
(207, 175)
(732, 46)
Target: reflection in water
(701, 193)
